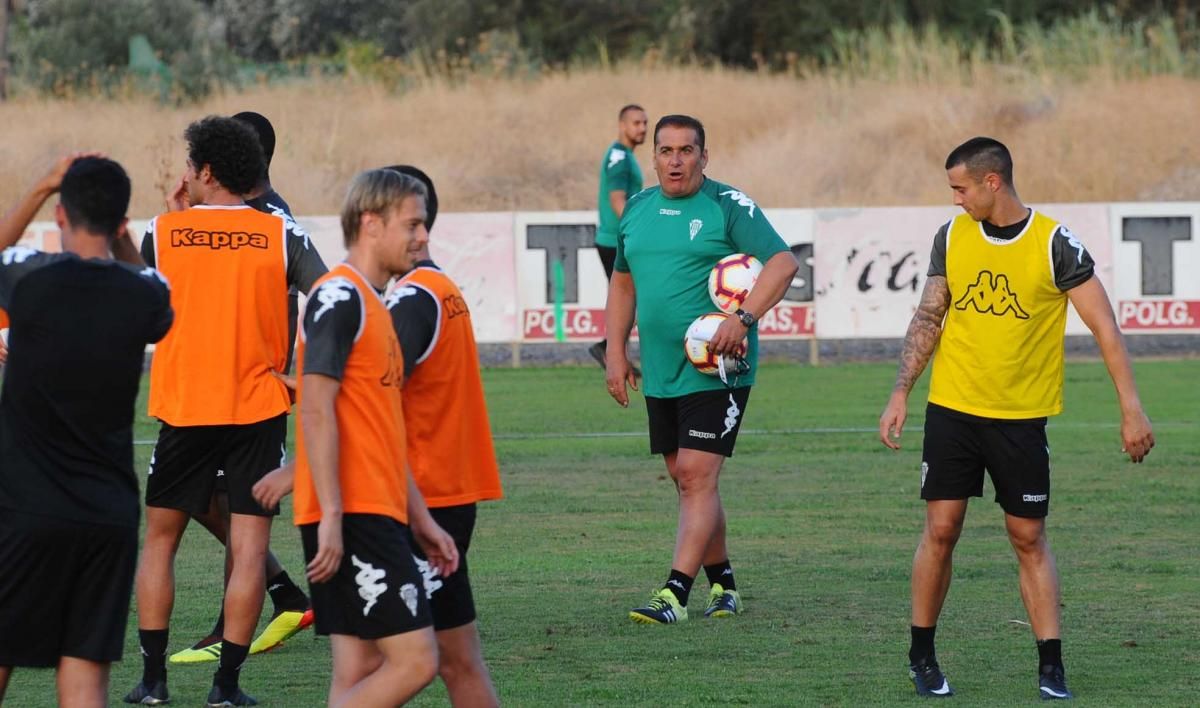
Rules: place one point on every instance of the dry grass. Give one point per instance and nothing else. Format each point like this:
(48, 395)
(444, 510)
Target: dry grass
(500, 144)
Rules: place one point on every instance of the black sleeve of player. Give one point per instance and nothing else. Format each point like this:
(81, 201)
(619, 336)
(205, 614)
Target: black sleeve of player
(17, 262)
(148, 247)
(333, 317)
(1073, 265)
(937, 256)
(415, 318)
(304, 263)
(163, 316)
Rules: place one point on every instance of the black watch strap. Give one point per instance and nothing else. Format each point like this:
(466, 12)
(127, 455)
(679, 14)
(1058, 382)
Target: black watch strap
(746, 318)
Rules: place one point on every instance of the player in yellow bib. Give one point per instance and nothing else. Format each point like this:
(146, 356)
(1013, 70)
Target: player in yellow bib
(995, 310)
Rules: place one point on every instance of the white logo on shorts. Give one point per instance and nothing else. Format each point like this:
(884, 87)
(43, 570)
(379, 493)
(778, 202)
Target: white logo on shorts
(369, 587)
(924, 472)
(429, 575)
(702, 435)
(731, 415)
(1034, 497)
(408, 593)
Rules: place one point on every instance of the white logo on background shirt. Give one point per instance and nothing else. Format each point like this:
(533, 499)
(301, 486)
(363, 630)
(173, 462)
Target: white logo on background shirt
(398, 294)
(615, 156)
(694, 228)
(16, 254)
(369, 587)
(331, 293)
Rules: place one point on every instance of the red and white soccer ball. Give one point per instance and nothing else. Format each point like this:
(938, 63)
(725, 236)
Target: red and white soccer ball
(695, 345)
(732, 279)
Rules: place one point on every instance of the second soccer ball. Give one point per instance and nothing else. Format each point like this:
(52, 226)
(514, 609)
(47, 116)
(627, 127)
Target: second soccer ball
(732, 279)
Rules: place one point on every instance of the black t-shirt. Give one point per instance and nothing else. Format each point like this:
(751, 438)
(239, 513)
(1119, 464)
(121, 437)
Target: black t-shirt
(78, 336)
(415, 318)
(333, 320)
(1073, 265)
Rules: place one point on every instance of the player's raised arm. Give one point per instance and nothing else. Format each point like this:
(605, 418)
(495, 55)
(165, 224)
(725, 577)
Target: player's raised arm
(919, 342)
(1091, 302)
(23, 212)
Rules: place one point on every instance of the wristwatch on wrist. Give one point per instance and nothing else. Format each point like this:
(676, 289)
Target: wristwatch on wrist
(746, 318)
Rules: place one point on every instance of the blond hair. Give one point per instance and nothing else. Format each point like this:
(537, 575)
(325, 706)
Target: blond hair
(376, 192)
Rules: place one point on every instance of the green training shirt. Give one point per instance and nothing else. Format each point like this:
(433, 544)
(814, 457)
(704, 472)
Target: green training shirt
(669, 246)
(618, 171)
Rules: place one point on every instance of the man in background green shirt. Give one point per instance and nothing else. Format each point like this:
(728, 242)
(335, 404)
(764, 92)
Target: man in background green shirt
(620, 179)
(669, 239)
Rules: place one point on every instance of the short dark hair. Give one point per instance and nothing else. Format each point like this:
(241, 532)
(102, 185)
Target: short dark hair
(627, 108)
(983, 156)
(680, 121)
(95, 195)
(231, 150)
(266, 136)
(431, 202)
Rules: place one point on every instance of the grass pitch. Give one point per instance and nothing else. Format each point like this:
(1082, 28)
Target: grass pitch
(822, 521)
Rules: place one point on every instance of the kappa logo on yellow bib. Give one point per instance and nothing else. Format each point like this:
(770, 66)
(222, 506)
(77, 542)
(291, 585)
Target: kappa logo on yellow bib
(991, 294)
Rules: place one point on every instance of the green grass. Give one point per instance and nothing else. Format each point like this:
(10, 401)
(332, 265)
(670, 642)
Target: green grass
(822, 528)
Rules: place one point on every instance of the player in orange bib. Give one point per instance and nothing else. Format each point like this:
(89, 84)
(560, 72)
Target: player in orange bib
(214, 386)
(356, 503)
(454, 464)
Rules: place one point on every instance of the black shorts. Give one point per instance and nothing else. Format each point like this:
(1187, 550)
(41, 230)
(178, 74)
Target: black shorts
(378, 591)
(959, 447)
(707, 421)
(221, 486)
(450, 597)
(64, 589)
(185, 462)
(608, 258)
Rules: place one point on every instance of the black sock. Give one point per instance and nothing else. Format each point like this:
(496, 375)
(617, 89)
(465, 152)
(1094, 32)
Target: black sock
(232, 658)
(681, 585)
(721, 574)
(154, 655)
(218, 628)
(285, 595)
(1050, 653)
(922, 644)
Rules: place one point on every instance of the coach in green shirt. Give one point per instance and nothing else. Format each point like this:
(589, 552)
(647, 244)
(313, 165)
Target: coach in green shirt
(620, 179)
(668, 240)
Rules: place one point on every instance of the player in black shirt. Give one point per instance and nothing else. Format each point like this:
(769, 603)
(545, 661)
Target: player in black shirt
(68, 493)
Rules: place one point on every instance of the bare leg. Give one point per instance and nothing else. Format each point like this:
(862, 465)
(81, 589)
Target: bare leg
(932, 564)
(248, 536)
(82, 683)
(695, 474)
(409, 663)
(461, 666)
(156, 570)
(1039, 575)
(5, 672)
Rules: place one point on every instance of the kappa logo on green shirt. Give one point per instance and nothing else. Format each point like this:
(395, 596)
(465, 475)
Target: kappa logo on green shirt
(741, 199)
(615, 156)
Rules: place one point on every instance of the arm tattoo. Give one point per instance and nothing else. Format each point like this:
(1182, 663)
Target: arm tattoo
(923, 332)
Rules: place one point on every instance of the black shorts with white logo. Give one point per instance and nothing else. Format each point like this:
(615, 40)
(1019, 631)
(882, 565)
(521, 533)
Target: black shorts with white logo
(64, 589)
(708, 421)
(378, 590)
(450, 598)
(186, 459)
(959, 447)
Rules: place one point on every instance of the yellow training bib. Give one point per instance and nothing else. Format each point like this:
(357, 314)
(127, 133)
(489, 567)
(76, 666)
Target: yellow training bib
(1001, 351)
